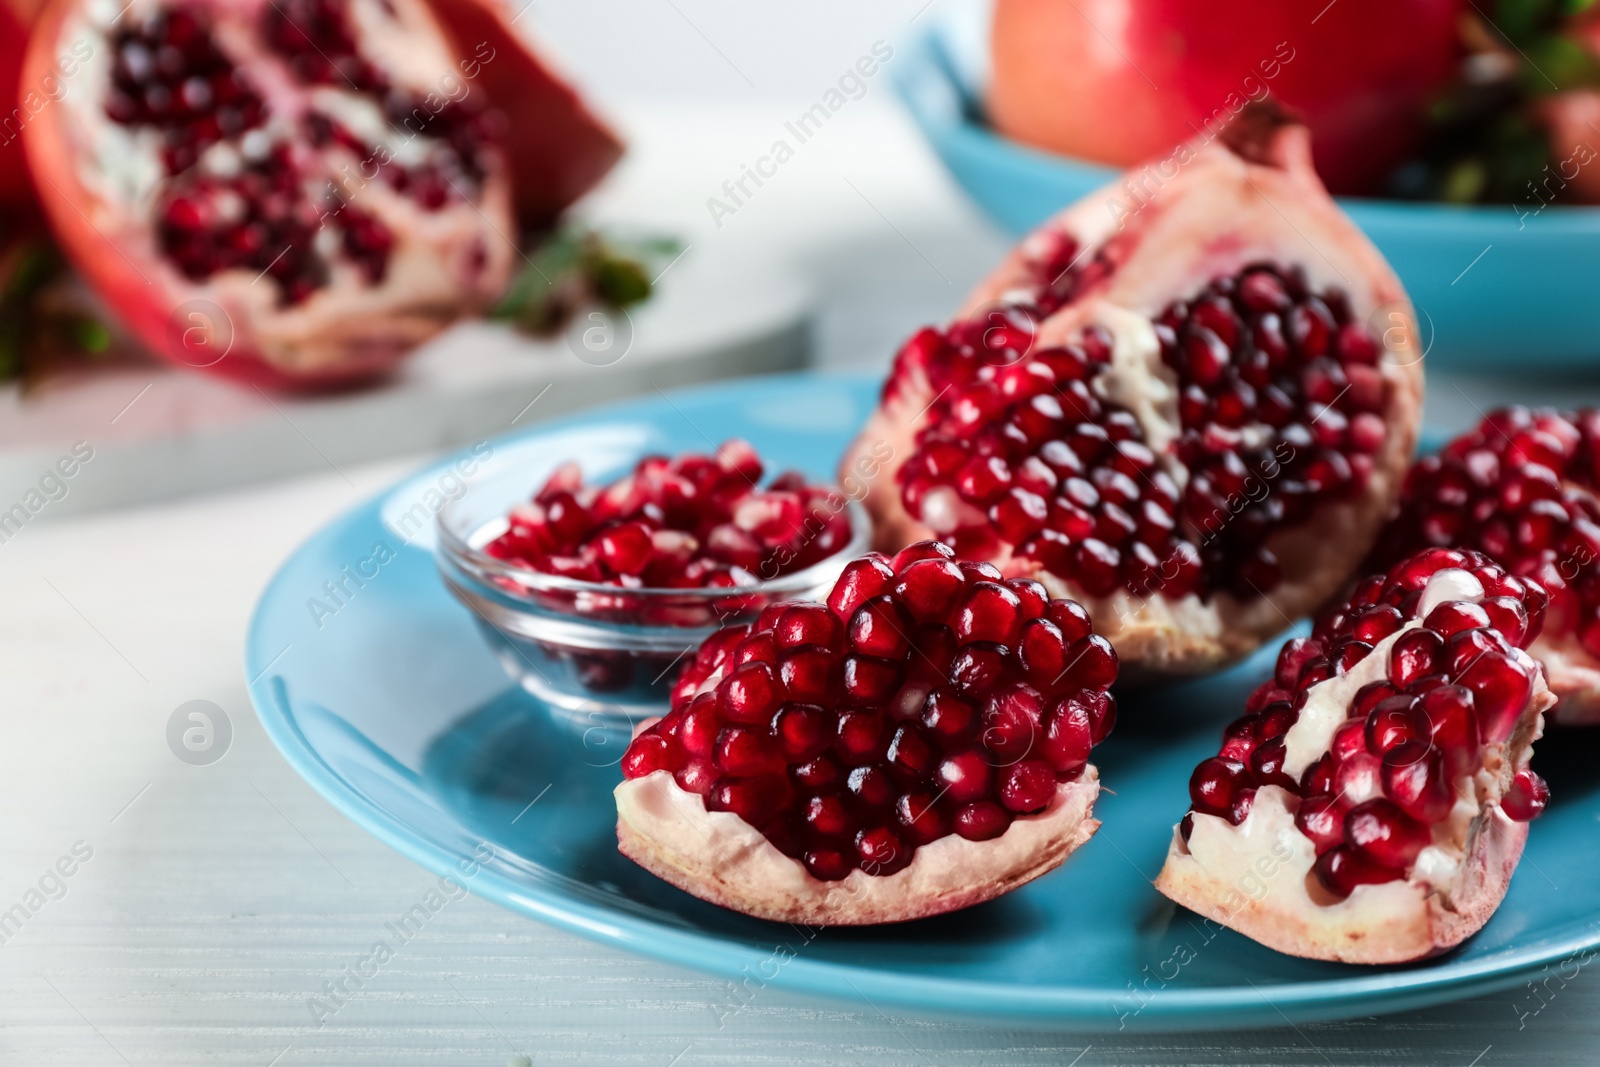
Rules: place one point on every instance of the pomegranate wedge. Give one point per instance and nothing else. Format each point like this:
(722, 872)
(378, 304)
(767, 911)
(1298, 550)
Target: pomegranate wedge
(1187, 401)
(1521, 488)
(1372, 803)
(918, 744)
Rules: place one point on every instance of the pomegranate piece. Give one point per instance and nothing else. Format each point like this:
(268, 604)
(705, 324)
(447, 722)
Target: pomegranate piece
(1521, 487)
(1362, 95)
(959, 776)
(1388, 802)
(1169, 412)
(294, 192)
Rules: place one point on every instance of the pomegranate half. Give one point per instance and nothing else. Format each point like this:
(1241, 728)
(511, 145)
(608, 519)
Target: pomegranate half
(1190, 411)
(1521, 488)
(918, 744)
(1372, 804)
(1173, 68)
(293, 192)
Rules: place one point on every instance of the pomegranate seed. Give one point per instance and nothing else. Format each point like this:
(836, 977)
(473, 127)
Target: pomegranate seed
(1453, 721)
(991, 613)
(1527, 797)
(1028, 786)
(1500, 687)
(919, 818)
(982, 820)
(1414, 778)
(1214, 784)
(1383, 834)
(651, 752)
(1012, 721)
(1414, 654)
(1342, 869)
(828, 865)
(881, 852)
(1394, 722)
(1266, 765)
(1321, 819)
(965, 776)
(746, 753)
(750, 694)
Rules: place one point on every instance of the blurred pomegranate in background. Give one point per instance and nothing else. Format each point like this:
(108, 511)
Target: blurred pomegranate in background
(297, 192)
(1120, 82)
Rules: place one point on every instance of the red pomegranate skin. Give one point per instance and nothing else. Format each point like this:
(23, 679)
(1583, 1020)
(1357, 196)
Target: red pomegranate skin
(1119, 81)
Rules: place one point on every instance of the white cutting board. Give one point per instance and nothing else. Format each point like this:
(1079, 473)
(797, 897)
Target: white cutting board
(157, 433)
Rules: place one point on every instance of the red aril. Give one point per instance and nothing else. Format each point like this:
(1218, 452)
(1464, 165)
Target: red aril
(1148, 406)
(949, 788)
(1383, 818)
(676, 524)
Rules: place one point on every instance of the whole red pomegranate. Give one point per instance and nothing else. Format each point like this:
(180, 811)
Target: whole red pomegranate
(1189, 411)
(1119, 82)
(918, 744)
(1372, 804)
(293, 192)
(1521, 488)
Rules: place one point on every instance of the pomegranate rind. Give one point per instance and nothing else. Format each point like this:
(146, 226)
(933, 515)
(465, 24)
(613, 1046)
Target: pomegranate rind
(332, 338)
(559, 148)
(1256, 878)
(718, 857)
(1393, 922)
(1250, 197)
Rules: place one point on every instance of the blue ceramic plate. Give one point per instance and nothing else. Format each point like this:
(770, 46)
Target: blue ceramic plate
(1495, 286)
(390, 704)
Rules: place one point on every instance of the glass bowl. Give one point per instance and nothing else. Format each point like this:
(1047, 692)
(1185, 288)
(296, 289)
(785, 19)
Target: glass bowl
(601, 656)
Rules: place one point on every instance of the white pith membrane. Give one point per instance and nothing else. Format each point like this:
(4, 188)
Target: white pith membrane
(1257, 877)
(1220, 213)
(718, 857)
(443, 264)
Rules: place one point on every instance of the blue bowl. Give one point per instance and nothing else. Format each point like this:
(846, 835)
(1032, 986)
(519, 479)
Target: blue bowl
(1496, 288)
